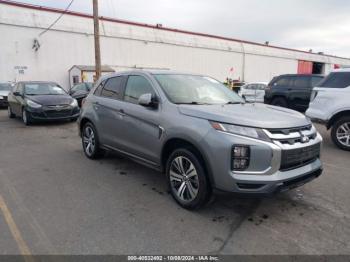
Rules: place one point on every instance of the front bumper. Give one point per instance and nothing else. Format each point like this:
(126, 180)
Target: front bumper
(317, 115)
(4, 102)
(265, 174)
(45, 113)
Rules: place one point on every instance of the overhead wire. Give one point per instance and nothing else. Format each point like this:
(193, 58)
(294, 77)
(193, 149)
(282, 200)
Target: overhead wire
(65, 10)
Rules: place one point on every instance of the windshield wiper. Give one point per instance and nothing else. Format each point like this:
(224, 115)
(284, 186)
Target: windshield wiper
(192, 103)
(233, 103)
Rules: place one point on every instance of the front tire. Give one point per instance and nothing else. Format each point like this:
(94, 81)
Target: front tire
(341, 133)
(9, 112)
(187, 179)
(90, 142)
(27, 120)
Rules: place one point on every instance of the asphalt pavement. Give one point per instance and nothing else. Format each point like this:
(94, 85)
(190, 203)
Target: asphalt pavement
(60, 202)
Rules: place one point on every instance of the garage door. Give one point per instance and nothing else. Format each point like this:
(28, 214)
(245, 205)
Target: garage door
(305, 67)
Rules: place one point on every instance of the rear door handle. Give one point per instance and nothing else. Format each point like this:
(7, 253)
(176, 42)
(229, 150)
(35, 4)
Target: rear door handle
(96, 105)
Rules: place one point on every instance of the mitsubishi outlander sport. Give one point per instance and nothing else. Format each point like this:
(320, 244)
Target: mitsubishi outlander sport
(203, 136)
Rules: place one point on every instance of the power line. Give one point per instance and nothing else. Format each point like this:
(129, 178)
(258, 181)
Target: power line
(65, 10)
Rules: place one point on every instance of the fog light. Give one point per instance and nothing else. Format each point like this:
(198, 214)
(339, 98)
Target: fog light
(240, 157)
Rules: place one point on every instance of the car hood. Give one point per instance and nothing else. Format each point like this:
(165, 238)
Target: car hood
(253, 115)
(48, 100)
(4, 93)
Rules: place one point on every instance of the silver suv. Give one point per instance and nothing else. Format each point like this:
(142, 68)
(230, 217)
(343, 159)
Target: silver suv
(203, 136)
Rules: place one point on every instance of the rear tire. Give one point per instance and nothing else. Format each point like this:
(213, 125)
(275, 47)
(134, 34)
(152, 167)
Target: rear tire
(341, 133)
(187, 179)
(9, 112)
(90, 142)
(279, 101)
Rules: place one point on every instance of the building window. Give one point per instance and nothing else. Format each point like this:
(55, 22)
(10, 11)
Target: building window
(75, 80)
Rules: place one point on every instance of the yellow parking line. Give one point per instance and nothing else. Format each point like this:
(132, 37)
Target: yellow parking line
(24, 249)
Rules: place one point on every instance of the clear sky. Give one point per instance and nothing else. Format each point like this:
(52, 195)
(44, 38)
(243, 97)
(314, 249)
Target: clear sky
(320, 25)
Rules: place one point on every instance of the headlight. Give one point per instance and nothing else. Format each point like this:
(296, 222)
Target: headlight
(32, 104)
(1, 97)
(74, 103)
(241, 130)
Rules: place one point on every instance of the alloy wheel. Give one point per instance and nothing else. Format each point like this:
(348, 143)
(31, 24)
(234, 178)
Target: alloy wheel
(184, 179)
(343, 134)
(89, 141)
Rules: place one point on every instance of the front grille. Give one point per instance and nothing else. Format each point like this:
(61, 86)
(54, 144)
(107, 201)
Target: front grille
(298, 157)
(292, 136)
(58, 113)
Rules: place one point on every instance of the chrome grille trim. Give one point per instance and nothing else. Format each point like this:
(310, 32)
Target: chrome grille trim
(292, 138)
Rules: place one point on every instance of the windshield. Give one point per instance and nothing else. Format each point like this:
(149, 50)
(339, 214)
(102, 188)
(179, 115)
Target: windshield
(192, 89)
(5, 87)
(89, 85)
(43, 89)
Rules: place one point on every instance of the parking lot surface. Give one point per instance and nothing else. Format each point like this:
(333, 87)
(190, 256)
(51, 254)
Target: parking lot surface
(61, 202)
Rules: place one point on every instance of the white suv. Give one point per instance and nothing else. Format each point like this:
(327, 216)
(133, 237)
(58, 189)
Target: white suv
(330, 105)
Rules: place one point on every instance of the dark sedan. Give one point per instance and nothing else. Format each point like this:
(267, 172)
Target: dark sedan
(5, 89)
(80, 91)
(35, 101)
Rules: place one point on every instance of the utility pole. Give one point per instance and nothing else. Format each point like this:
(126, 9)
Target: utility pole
(97, 40)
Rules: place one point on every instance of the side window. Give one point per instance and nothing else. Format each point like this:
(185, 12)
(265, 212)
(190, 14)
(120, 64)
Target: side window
(336, 80)
(302, 82)
(113, 88)
(284, 81)
(135, 87)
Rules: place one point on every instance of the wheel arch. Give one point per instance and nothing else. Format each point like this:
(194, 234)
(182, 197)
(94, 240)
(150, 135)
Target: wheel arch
(337, 116)
(173, 143)
(82, 122)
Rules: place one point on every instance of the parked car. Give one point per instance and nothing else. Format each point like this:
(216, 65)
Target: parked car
(201, 134)
(80, 91)
(34, 101)
(291, 91)
(5, 89)
(253, 92)
(330, 105)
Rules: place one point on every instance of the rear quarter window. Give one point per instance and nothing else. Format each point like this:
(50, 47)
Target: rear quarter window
(336, 80)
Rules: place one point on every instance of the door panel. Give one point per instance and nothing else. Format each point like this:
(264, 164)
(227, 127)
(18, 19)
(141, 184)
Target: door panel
(141, 131)
(301, 92)
(108, 111)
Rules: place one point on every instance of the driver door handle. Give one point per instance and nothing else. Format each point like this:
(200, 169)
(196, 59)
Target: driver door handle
(122, 112)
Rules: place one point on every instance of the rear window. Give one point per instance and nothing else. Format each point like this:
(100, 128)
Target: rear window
(113, 88)
(336, 80)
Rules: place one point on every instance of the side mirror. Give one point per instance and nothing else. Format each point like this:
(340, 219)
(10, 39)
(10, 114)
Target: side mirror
(17, 93)
(147, 100)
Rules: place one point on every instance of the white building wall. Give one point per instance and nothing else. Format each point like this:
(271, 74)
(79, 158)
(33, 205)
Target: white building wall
(124, 46)
(258, 69)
